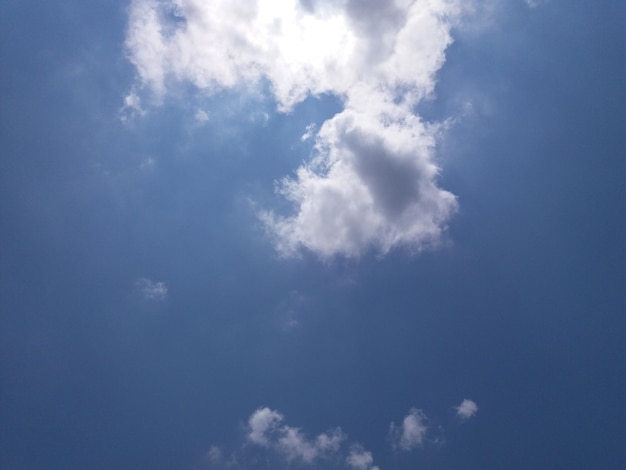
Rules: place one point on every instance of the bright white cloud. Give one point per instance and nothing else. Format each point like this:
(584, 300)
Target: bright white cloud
(266, 428)
(373, 182)
(466, 409)
(151, 290)
(411, 433)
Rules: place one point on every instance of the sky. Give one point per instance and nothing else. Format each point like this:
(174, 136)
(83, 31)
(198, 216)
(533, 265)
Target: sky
(312, 234)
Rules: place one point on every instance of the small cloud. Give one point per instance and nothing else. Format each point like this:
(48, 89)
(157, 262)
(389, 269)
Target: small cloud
(270, 438)
(152, 290)
(360, 459)
(466, 409)
(214, 455)
(131, 107)
(261, 423)
(201, 116)
(266, 429)
(260, 117)
(411, 433)
(290, 310)
(147, 164)
(309, 132)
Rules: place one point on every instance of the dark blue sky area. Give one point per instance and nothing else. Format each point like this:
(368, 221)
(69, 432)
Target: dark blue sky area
(521, 308)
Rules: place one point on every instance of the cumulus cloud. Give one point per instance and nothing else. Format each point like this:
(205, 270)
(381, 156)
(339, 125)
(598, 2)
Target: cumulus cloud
(411, 433)
(360, 459)
(151, 290)
(270, 439)
(466, 409)
(266, 428)
(373, 181)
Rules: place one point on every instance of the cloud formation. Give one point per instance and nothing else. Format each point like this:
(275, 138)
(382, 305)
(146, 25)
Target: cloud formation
(266, 429)
(151, 290)
(373, 181)
(269, 439)
(360, 459)
(411, 433)
(466, 409)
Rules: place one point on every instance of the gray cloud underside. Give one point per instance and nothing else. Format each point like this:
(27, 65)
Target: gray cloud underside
(372, 183)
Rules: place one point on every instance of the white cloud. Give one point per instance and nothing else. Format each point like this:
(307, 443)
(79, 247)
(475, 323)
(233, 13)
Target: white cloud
(360, 459)
(131, 107)
(201, 115)
(372, 185)
(266, 429)
(466, 409)
(309, 132)
(151, 290)
(373, 182)
(270, 438)
(214, 455)
(261, 423)
(412, 432)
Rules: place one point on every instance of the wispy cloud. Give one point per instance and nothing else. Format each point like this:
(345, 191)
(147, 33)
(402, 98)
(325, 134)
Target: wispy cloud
(360, 459)
(151, 290)
(266, 429)
(373, 181)
(201, 116)
(290, 310)
(411, 433)
(286, 446)
(269, 439)
(466, 409)
(131, 107)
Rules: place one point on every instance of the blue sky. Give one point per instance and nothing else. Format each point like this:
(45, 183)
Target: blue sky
(325, 234)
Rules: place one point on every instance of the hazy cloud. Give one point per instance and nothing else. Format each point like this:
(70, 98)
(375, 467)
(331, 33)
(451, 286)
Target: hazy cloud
(373, 181)
(151, 290)
(214, 455)
(466, 409)
(201, 115)
(411, 433)
(131, 107)
(360, 459)
(291, 309)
